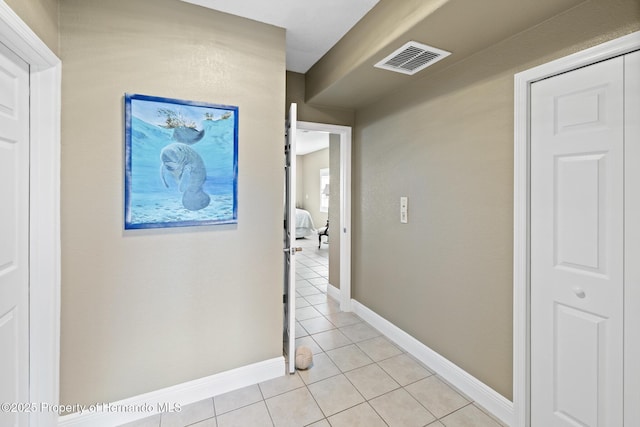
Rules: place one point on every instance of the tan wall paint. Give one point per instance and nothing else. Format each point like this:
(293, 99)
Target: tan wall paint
(334, 210)
(147, 309)
(313, 162)
(366, 38)
(447, 143)
(299, 181)
(314, 113)
(346, 75)
(41, 16)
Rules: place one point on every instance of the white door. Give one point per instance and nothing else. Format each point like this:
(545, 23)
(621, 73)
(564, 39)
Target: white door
(290, 238)
(577, 247)
(632, 240)
(14, 235)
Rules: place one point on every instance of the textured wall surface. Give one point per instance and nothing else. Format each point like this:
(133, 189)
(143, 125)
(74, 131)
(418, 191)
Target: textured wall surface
(314, 113)
(313, 162)
(147, 309)
(41, 16)
(447, 143)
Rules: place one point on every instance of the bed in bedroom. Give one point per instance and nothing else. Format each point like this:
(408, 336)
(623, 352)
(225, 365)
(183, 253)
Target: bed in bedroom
(304, 224)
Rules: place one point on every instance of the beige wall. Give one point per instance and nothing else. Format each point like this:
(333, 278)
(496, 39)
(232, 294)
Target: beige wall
(147, 309)
(388, 20)
(446, 143)
(299, 181)
(311, 165)
(41, 16)
(314, 113)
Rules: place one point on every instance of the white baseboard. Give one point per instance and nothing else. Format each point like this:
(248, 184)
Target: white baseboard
(479, 392)
(152, 403)
(333, 292)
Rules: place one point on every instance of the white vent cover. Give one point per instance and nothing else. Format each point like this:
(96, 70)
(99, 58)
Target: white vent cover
(412, 57)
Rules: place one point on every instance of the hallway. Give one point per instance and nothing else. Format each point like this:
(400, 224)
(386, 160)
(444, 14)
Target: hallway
(359, 377)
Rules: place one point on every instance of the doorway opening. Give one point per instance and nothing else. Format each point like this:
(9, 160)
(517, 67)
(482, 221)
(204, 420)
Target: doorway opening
(299, 224)
(338, 192)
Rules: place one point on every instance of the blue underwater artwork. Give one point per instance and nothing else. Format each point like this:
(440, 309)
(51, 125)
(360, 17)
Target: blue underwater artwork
(181, 163)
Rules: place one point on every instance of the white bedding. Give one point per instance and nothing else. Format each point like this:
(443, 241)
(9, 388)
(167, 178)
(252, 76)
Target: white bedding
(304, 224)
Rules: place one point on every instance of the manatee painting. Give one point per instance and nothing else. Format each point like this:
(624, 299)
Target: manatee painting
(194, 146)
(187, 135)
(189, 172)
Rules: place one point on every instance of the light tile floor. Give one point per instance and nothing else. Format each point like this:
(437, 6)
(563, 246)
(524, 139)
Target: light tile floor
(358, 378)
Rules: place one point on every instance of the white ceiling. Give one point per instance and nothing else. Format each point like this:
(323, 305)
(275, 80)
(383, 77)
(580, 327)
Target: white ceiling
(313, 26)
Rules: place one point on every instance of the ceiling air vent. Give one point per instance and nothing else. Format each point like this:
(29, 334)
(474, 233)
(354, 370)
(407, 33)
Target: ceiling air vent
(412, 57)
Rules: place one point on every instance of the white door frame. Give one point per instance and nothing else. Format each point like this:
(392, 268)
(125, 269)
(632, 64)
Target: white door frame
(521, 217)
(345, 205)
(44, 207)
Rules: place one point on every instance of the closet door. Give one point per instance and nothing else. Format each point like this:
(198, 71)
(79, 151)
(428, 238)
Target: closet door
(632, 239)
(577, 247)
(14, 236)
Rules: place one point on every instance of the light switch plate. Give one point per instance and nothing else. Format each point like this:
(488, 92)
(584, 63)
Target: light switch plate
(404, 210)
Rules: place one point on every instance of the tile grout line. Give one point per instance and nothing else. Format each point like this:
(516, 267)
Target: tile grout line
(376, 362)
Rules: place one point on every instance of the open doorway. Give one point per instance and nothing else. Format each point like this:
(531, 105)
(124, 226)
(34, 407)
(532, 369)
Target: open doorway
(320, 297)
(339, 231)
(317, 156)
(324, 190)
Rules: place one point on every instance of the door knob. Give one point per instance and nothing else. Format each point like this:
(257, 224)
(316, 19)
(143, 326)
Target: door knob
(293, 251)
(579, 292)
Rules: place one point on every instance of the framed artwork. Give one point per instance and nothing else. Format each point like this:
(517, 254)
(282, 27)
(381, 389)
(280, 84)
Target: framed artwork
(181, 163)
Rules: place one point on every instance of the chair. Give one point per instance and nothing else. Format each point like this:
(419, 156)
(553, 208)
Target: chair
(324, 231)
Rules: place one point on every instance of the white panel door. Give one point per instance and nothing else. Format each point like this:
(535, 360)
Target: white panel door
(14, 235)
(632, 239)
(577, 247)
